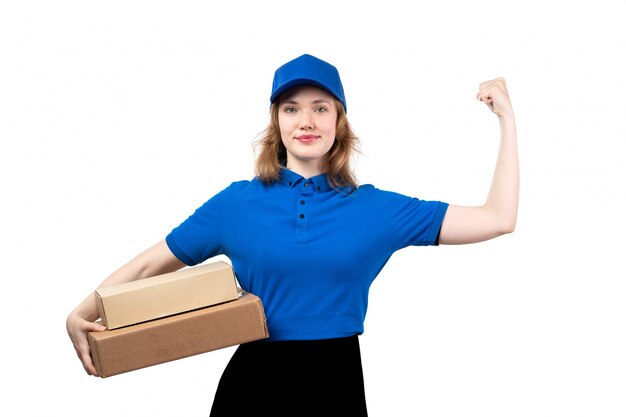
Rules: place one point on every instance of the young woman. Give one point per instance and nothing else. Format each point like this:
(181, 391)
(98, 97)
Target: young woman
(309, 241)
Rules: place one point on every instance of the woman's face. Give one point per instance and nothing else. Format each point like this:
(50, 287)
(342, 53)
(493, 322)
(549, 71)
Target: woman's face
(307, 117)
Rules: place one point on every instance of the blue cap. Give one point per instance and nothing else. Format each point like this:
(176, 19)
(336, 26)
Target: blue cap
(308, 70)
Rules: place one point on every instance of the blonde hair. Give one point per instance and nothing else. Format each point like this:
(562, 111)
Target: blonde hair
(272, 154)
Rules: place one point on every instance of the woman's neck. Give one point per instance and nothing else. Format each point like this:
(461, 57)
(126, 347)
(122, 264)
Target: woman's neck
(304, 169)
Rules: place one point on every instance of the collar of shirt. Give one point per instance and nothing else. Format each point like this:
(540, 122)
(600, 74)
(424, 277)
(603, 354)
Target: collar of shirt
(292, 179)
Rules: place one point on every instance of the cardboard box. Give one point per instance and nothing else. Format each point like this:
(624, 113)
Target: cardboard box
(163, 295)
(179, 336)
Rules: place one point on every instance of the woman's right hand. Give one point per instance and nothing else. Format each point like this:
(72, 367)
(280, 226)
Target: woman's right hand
(77, 329)
(157, 259)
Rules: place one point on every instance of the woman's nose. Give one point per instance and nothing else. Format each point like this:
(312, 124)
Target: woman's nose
(306, 121)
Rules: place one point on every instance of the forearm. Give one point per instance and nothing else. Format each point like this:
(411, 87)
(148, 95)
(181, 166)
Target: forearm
(156, 260)
(134, 269)
(502, 200)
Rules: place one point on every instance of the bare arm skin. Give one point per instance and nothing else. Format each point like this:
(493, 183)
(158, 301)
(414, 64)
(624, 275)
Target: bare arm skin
(498, 215)
(156, 260)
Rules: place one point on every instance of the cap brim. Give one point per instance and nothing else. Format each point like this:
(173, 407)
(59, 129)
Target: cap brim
(298, 82)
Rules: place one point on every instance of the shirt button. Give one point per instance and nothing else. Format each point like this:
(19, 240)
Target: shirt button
(306, 184)
(302, 216)
(302, 202)
(290, 183)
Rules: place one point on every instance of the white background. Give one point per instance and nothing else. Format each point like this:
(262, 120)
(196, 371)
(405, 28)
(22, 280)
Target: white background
(119, 118)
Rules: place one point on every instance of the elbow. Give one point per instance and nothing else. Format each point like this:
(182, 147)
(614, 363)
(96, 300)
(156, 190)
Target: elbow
(508, 230)
(503, 221)
(507, 227)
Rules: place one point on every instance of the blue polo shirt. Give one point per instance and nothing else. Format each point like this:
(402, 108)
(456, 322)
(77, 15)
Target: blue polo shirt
(310, 252)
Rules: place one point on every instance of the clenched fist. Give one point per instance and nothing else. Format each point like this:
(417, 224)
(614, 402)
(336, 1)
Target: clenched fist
(496, 96)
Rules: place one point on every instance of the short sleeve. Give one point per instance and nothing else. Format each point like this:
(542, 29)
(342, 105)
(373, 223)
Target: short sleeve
(199, 237)
(410, 220)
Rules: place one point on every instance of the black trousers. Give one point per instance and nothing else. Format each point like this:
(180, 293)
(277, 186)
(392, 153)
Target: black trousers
(293, 378)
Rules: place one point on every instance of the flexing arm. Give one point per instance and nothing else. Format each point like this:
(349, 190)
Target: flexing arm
(155, 260)
(498, 215)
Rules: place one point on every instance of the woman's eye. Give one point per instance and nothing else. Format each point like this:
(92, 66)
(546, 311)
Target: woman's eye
(320, 109)
(290, 110)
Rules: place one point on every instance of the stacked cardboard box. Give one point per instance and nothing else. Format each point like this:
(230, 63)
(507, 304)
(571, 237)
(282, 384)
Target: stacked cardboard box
(163, 295)
(172, 316)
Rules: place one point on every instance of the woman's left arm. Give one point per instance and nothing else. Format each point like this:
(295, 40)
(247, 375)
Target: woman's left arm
(499, 213)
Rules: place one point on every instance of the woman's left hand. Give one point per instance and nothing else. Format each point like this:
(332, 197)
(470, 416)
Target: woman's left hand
(496, 96)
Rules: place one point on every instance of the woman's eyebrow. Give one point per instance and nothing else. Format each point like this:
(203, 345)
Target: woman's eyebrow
(293, 101)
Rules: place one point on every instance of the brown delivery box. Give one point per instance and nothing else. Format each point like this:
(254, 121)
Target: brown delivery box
(163, 295)
(182, 335)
